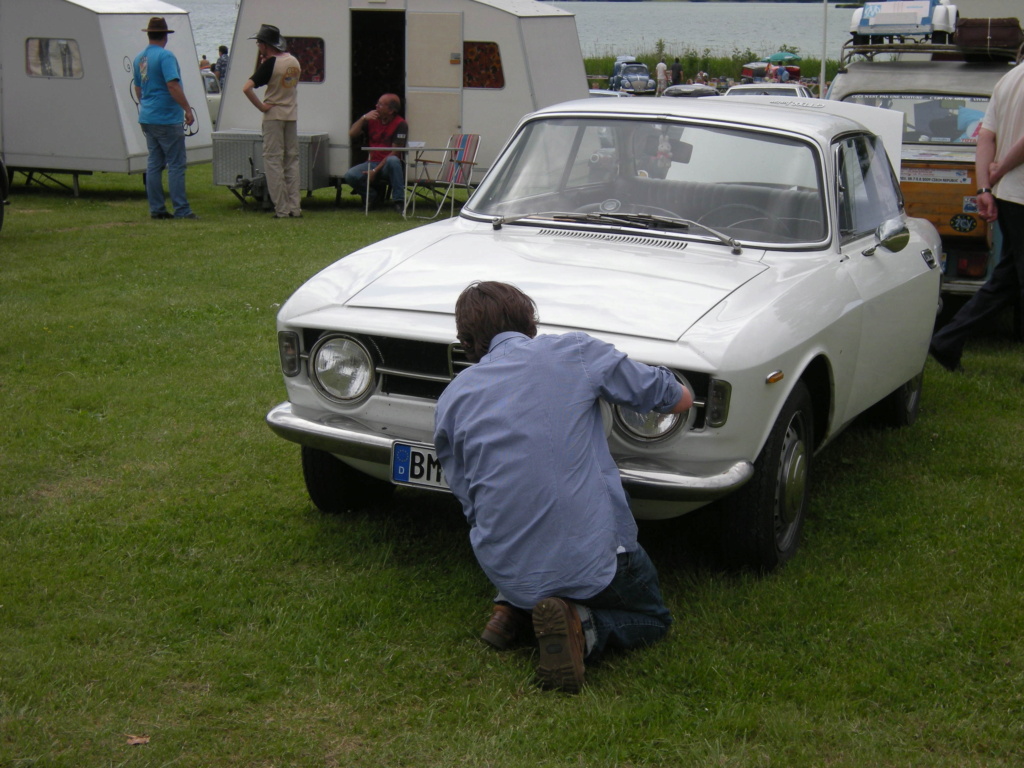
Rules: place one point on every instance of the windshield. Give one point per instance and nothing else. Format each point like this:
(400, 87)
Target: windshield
(635, 69)
(751, 185)
(932, 118)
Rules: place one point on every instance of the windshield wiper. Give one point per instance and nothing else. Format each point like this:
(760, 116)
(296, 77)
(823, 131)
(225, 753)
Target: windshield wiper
(644, 220)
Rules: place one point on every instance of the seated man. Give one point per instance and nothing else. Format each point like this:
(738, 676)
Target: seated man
(521, 441)
(380, 127)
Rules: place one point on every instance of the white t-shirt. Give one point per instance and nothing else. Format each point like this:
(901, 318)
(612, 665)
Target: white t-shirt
(1005, 118)
(661, 70)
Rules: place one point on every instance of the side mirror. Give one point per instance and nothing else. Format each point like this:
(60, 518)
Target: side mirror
(892, 235)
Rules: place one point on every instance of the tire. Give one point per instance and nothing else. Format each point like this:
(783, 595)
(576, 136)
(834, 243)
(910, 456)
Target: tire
(900, 408)
(764, 519)
(335, 487)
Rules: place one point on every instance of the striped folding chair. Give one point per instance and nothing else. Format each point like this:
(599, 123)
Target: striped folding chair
(435, 181)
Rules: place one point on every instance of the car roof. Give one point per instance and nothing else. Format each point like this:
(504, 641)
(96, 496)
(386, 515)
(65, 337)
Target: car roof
(952, 77)
(806, 116)
(816, 119)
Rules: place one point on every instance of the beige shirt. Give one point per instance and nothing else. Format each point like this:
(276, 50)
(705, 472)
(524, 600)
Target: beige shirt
(1005, 118)
(283, 88)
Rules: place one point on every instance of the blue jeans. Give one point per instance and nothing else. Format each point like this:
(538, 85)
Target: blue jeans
(1005, 287)
(629, 612)
(393, 173)
(166, 145)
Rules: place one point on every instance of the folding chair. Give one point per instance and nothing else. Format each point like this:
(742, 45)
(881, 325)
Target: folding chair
(455, 171)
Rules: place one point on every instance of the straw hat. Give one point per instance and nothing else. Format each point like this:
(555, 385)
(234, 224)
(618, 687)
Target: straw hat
(270, 35)
(158, 24)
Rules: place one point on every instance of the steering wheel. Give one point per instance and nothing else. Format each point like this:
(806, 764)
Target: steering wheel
(613, 206)
(738, 207)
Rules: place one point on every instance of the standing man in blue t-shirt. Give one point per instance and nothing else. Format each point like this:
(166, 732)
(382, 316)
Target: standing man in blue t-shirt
(522, 444)
(157, 81)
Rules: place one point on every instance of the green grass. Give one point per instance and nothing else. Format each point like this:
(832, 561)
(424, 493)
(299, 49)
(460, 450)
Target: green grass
(164, 575)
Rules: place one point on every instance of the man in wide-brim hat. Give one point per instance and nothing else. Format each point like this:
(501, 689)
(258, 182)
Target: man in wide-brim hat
(279, 71)
(270, 35)
(158, 24)
(162, 108)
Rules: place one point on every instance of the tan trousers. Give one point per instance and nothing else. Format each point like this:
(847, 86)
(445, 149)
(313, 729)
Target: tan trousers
(281, 164)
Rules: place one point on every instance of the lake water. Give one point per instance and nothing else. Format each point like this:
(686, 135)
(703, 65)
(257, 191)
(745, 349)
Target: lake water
(612, 28)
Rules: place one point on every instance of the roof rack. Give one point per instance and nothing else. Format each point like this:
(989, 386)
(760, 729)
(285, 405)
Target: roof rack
(896, 44)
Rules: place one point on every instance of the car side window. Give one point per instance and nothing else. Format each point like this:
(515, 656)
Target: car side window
(867, 193)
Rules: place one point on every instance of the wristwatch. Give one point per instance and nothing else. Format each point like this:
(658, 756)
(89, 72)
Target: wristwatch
(983, 190)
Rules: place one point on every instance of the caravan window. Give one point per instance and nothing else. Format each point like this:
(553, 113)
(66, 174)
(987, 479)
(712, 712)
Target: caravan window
(481, 66)
(52, 57)
(310, 53)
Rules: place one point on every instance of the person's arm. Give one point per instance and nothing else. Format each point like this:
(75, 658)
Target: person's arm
(178, 94)
(1010, 160)
(983, 158)
(359, 126)
(250, 93)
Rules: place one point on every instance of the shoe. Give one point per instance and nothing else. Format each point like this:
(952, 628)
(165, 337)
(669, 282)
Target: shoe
(562, 646)
(507, 628)
(295, 215)
(945, 360)
(398, 206)
(282, 215)
(161, 215)
(191, 216)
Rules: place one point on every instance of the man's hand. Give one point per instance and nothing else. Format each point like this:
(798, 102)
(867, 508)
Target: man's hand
(987, 208)
(685, 401)
(190, 116)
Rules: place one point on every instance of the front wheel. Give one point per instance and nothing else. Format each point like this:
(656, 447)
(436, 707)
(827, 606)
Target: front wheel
(335, 487)
(763, 519)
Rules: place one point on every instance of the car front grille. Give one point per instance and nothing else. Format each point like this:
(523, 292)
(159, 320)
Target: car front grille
(422, 369)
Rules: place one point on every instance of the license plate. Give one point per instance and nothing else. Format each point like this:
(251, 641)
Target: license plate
(416, 464)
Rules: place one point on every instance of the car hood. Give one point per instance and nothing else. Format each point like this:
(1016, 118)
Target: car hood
(639, 286)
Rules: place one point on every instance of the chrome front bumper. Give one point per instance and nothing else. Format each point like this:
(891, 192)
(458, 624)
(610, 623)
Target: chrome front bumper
(643, 478)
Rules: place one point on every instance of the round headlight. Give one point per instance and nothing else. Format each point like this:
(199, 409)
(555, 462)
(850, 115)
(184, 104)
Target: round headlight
(647, 426)
(652, 425)
(342, 368)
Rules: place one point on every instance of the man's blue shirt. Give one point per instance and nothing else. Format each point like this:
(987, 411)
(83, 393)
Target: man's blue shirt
(153, 69)
(522, 444)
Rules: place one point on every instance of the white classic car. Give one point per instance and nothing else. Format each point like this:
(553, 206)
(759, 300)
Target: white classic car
(758, 249)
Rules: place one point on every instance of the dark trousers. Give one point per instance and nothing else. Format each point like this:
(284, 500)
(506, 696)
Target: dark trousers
(1005, 287)
(629, 612)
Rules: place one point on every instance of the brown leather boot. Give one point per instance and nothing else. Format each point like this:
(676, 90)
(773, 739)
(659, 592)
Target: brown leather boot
(562, 645)
(507, 628)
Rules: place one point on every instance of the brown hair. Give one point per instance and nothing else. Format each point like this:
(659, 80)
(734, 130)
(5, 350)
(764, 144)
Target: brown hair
(485, 309)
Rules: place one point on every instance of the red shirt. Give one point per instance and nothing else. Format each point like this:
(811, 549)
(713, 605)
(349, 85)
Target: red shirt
(396, 132)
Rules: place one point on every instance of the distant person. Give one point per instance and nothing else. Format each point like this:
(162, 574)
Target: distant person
(381, 127)
(163, 108)
(521, 441)
(783, 74)
(661, 74)
(677, 72)
(279, 71)
(999, 169)
(204, 63)
(220, 68)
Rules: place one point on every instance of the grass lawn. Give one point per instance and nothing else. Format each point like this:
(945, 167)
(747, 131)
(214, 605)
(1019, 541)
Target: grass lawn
(164, 576)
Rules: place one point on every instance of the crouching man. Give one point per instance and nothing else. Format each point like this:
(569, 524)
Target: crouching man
(522, 444)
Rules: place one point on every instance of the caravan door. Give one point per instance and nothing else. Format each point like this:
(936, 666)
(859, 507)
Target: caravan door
(433, 94)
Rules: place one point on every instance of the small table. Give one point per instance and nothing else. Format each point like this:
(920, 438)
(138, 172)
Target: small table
(405, 175)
